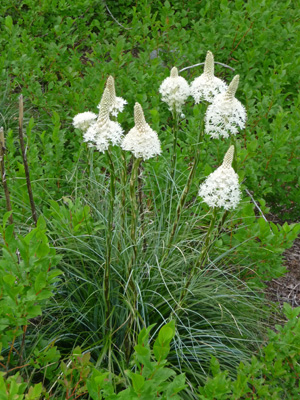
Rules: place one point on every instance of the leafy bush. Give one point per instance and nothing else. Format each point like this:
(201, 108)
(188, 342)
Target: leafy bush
(28, 278)
(274, 374)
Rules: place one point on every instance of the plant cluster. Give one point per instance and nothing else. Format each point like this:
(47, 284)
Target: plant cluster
(145, 204)
(55, 52)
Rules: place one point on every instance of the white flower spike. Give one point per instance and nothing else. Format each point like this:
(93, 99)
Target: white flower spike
(141, 140)
(174, 90)
(206, 86)
(226, 114)
(116, 103)
(221, 188)
(104, 131)
(84, 120)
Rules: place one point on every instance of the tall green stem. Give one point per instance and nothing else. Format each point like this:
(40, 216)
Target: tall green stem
(204, 251)
(207, 243)
(141, 205)
(123, 196)
(132, 294)
(187, 187)
(175, 139)
(182, 200)
(134, 209)
(109, 238)
(234, 161)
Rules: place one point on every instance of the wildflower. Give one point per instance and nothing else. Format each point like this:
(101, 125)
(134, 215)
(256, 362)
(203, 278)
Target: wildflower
(174, 90)
(116, 103)
(206, 86)
(83, 120)
(226, 114)
(221, 188)
(104, 132)
(141, 140)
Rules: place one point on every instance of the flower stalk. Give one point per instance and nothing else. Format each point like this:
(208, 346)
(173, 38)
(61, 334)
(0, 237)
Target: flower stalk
(203, 255)
(175, 139)
(207, 243)
(187, 187)
(141, 205)
(109, 239)
(134, 209)
(123, 193)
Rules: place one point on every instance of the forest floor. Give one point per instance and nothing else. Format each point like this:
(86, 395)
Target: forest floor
(286, 289)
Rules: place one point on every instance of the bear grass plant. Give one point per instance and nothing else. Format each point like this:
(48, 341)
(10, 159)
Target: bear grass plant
(141, 249)
(84, 45)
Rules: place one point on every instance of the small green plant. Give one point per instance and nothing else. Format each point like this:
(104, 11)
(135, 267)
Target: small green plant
(150, 377)
(28, 276)
(14, 387)
(272, 375)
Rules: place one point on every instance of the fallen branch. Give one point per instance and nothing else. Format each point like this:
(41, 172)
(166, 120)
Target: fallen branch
(216, 62)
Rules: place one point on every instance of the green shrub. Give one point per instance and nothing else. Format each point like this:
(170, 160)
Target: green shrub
(272, 375)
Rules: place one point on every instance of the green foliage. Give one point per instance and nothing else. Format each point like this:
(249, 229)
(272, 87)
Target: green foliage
(27, 277)
(151, 379)
(272, 375)
(259, 243)
(73, 218)
(59, 54)
(75, 374)
(14, 388)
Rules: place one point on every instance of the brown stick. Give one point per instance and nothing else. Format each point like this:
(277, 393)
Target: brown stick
(3, 174)
(244, 35)
(32, 205)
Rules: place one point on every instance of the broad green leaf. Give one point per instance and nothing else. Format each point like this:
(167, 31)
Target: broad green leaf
(137, 381)
(40, 281)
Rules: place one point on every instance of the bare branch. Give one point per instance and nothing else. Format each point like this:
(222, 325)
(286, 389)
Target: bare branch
(32, 205)
(257, 206)
(128, 29)
(216, 62)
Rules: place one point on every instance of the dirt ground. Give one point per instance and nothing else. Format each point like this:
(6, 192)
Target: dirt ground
(286, 289)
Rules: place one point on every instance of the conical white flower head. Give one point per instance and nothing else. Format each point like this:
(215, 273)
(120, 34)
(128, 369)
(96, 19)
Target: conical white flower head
(206, 86)
(221, 188)
(104, 131)
(226, 114)
(116, 103)
(141, 140)
(84, 120)
(174, 90)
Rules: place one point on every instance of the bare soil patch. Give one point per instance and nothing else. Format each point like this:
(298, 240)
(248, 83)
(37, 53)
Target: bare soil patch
(286, 289)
